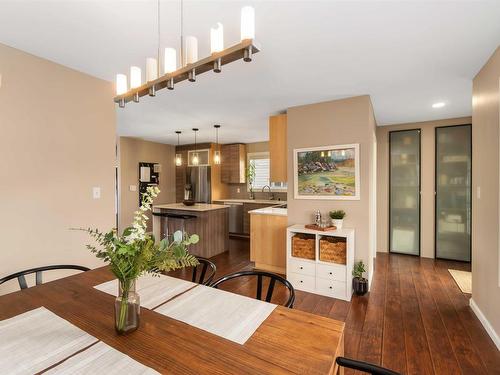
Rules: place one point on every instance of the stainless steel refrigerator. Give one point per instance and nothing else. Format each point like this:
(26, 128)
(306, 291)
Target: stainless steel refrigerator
(201, 185)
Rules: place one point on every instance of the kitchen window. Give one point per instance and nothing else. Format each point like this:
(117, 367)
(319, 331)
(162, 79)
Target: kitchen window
(262, 164)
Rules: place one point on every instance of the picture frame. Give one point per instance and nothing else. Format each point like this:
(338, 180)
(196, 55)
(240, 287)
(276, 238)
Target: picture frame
(327, 172)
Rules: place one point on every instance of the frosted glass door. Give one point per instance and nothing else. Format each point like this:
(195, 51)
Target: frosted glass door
(453, 192)
(404, 192)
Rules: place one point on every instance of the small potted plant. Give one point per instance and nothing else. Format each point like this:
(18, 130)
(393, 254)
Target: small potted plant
(359, 283)
(337, 217)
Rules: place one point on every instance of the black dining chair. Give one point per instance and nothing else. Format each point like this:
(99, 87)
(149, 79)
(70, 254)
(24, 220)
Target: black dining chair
(364, 367)
(204, 278)
(273, 278)
(38, 271)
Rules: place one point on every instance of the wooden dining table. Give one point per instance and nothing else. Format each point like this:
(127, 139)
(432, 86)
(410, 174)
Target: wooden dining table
(287, 342)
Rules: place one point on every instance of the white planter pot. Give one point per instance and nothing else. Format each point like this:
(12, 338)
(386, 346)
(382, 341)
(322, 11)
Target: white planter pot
(338, 223)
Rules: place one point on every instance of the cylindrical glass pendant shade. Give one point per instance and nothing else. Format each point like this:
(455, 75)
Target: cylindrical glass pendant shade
(121, 84)
(135, 77)
(195, 159)
(151, 69)
(178, 160)
(247, 23)
(217, 157)
(191, 53)
(217, 38)
(170, 60)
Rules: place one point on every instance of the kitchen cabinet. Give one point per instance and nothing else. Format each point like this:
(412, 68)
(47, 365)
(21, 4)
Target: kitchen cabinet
(278, 148)
(233, 163)
(246, 216)
(268, 242)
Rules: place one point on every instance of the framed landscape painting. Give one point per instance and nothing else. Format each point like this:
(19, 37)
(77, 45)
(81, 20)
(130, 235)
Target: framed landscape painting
(327, 172)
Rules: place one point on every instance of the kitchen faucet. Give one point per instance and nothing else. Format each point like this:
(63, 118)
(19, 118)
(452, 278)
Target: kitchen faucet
(271, 195)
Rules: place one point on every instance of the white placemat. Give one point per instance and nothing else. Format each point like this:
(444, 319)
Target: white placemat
(37, 339)
(101, 359)
(153, 290)
(224, 314)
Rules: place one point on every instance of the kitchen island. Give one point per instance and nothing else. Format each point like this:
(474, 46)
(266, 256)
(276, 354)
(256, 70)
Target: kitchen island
(209, 221)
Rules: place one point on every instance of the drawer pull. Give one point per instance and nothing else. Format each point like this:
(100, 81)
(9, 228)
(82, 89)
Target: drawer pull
(301, 267)
(331, 273)
(331, 288)
(301, 281)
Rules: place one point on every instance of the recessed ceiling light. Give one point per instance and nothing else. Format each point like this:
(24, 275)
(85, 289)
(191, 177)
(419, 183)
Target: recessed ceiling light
(438, 105)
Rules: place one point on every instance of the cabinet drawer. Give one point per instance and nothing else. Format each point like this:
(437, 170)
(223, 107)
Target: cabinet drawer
(301, 267)
(333, 272)
(331, 287)
(301, 281)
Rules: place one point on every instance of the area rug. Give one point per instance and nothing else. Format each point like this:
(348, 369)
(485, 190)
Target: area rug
(463, 280)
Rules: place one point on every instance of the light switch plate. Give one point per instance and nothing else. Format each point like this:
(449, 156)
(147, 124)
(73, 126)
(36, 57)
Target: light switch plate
(96, 192)
(479, 192)
(132, 187)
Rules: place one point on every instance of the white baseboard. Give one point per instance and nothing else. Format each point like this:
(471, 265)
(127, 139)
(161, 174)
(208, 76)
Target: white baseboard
(486, 324)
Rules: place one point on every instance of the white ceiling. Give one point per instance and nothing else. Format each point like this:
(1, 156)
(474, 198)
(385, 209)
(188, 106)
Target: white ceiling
(405, 54)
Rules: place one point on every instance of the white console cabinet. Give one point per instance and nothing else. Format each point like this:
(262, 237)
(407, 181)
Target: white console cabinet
(316, 276)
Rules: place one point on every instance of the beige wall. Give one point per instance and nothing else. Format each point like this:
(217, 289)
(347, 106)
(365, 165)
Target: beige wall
(243, 194)
(427, 181)
(485, 213)
(57, 142)
(334, 123)
(132, 151)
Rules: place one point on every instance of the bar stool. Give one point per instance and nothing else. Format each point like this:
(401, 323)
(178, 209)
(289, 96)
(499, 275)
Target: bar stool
(168, 216)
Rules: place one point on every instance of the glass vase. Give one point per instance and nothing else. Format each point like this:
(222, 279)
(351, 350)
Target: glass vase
(127, 307)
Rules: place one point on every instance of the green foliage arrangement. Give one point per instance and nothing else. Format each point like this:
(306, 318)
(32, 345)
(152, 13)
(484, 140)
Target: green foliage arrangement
(359, 269)
(337, 214)
(135, 252)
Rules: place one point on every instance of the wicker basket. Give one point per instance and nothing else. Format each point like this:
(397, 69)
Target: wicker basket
(303, 246)
(332, 249)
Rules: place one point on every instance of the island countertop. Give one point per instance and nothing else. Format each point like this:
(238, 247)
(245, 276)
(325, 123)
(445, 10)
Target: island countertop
(200, 207)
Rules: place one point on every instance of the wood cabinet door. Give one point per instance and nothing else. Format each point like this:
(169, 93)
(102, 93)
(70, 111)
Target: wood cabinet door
(278, 148)
(233, 163)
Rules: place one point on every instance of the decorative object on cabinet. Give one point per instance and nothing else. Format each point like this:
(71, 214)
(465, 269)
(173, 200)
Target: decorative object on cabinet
(307, 269)
(278, 148)
(190, 64)
(320, 228)
(327, 172)
(233, 163)
(337, 217)
(359, 283)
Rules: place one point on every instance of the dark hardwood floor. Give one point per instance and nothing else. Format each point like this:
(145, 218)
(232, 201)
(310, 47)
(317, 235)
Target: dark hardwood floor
(415, 320)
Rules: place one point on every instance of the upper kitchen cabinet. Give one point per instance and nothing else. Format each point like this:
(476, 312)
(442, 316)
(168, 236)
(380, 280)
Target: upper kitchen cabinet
(233, 163)
(278, 148)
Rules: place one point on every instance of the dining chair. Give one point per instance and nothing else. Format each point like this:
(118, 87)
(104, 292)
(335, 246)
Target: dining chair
(206, 265)
(38, 271)
(364, 367)
(273, 278)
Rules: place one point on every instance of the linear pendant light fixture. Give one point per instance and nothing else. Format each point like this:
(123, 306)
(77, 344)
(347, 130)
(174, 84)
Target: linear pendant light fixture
(191, 66)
